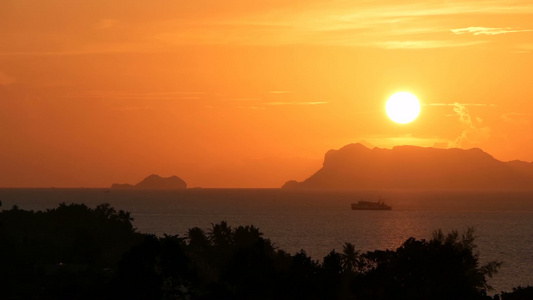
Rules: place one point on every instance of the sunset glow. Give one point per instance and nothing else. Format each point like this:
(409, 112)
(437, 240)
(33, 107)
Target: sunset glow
(403, 107)
(251, 93)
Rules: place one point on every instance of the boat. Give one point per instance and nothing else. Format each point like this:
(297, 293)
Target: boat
(370, 205)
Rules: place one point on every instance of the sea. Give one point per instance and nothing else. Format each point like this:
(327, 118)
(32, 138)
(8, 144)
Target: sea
(319, 221)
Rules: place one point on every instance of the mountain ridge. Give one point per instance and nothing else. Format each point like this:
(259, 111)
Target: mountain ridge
(355, 166)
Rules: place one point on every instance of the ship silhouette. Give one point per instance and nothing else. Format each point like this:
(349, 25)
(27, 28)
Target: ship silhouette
(370, 205)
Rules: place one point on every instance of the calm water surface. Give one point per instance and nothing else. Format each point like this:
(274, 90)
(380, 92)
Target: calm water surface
(320, 221)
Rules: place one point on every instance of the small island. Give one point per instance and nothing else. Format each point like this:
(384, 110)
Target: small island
(154, 182)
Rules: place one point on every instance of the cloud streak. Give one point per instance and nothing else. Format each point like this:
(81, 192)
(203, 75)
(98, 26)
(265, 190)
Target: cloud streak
(424, 44)
(518, 118)
(488, 30)
(413, 25)
(280, 92)
(139, 96)
(461, 104)
(296, 103)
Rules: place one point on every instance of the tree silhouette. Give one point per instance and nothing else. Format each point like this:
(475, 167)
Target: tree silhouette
(221, 235)
(518, 293)
(75, 252)
(446, 267)
(70, 251)
(350, 258)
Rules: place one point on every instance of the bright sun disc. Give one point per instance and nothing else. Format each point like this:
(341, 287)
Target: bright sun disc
(403, 107)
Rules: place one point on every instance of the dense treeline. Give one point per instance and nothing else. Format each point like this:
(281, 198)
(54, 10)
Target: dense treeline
(75, 252)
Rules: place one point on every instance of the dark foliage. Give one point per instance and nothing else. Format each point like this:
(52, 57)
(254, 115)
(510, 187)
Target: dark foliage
(445, 267)
(518, 293)
(64, 252)
(75, 252)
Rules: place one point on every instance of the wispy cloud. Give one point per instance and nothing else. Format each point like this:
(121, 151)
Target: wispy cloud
(428, 8)
(280, 92)
(488, 30)
(244, 99)
(138, 96)
(297, 103)
(461, 104)
(473, 131)
(424, 44)
(518, 118)
(90, 49)
(413, 24)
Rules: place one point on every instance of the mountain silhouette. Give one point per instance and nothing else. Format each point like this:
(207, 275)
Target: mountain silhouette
(155, 182)
(410, 167)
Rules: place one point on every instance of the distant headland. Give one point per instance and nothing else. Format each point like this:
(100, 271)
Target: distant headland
(410, 167)
(154, 182)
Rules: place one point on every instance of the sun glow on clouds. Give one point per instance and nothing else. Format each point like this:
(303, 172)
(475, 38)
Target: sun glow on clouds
(280, 92)
(473, 132)
(488, 30)
(414, 25)
(462, 104)
(113, 95)
(425, 44)
(297, 103)
(394, 26)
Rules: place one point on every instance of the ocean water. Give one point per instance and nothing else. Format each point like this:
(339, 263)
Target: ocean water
(319, 221)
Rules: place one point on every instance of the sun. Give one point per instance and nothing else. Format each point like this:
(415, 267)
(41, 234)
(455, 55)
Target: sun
(403, 107)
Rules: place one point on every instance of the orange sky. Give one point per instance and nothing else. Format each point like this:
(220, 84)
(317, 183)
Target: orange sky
(251, 93)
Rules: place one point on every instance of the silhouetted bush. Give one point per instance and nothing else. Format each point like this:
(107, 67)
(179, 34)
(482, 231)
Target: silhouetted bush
(67, 252)
(518, 293)
(75, 252)
(445, 267)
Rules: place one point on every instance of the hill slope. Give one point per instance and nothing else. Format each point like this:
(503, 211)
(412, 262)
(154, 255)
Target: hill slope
(409, 167)
(155, 182)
